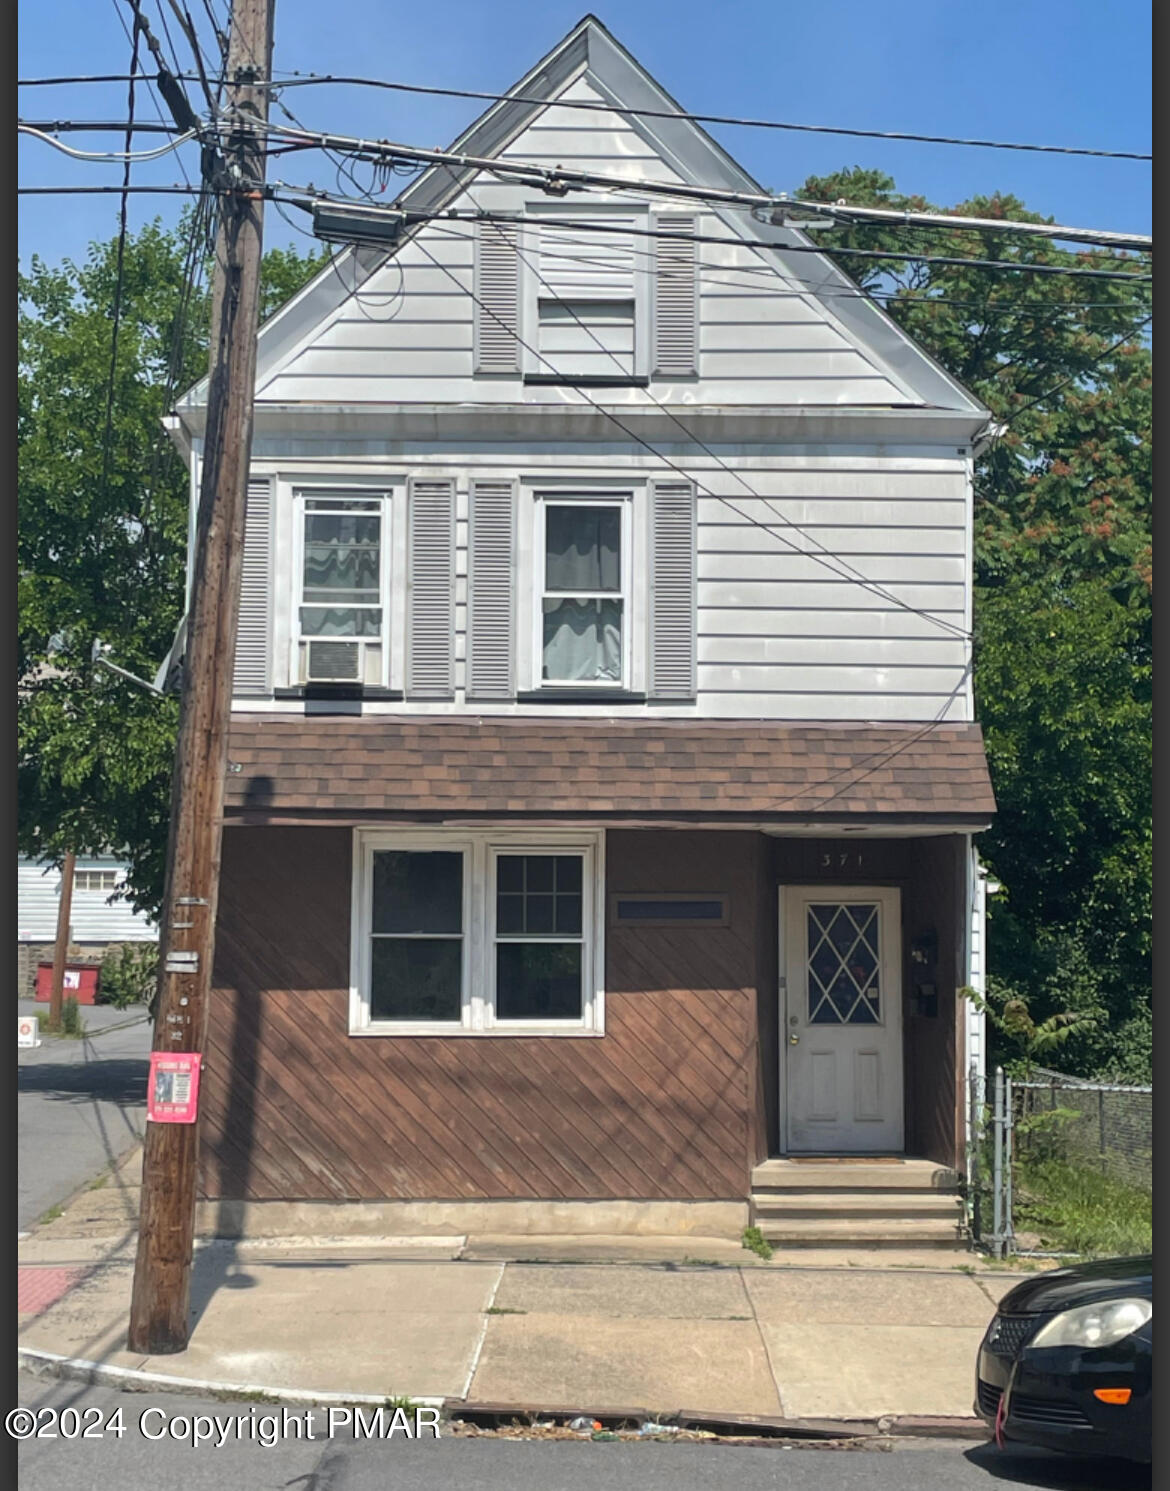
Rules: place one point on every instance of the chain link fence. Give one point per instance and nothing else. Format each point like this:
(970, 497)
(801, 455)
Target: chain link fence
(1099, 1127)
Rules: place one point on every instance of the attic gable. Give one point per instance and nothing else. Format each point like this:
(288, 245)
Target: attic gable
(777, 327)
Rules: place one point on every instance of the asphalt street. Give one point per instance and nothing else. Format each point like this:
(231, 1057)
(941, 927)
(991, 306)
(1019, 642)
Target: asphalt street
(136, 1462)
(81, 1105)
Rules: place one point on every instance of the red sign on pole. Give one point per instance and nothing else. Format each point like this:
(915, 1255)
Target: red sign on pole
(173, 1094)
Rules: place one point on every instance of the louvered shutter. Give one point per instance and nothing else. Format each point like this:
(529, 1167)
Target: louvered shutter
(490, 591)
(430, 600)
(672, 590)
(676, 304)
(254, 628)
(497, 298)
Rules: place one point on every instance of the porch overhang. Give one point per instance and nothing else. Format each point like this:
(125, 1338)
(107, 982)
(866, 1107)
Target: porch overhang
(783, 778)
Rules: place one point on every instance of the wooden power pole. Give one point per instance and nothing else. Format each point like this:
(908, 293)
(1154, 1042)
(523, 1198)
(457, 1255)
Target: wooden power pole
(61, 949)
(160, 1306)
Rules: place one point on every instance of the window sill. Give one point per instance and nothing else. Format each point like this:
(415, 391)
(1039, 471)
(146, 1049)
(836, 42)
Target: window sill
(558, 694)
(452, 1032)
(589, 380)
(337, 691)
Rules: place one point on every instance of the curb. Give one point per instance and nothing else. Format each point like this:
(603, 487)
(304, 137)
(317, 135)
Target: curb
(135, 1380)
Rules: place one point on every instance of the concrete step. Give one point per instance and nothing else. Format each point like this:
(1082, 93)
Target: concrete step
(781, 1205)
(845, 1175)
(863, 1232)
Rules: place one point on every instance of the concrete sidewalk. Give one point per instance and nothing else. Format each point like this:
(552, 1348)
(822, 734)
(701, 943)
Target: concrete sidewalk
(697, 1326)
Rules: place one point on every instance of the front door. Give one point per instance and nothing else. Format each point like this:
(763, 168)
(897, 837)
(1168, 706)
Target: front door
(841, 1030)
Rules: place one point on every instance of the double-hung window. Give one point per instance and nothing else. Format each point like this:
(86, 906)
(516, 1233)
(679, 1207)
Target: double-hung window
(590, 301)
(583, 550)
(489, 931)
(341, 598)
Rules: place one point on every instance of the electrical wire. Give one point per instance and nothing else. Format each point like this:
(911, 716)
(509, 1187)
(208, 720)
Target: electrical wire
(119, 268)
(659, 455)
(921, 734)
(150, 86)
(824, 250)
(109, 157)
(559, 180)
(293, 78)
(847, 570)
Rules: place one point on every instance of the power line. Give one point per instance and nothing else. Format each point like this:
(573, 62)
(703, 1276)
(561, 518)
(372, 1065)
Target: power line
(150, 41)
(120, 265)
(824, 250)
(297, 79)
(659, 455)
(1072, 377)
(299, 196)
(559, 180)
(108, 156)
(849, 571)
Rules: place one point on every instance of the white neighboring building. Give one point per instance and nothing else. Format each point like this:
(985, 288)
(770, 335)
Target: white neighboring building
(95, 922)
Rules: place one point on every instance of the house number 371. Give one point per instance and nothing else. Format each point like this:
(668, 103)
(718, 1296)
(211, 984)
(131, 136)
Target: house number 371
(841, 859)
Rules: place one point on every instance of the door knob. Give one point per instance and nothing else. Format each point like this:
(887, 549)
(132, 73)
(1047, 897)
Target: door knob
(794, 1040)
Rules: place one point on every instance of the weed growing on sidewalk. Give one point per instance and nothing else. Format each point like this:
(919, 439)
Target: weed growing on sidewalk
(503, 1310)
(755, 1242)
(50, 1216)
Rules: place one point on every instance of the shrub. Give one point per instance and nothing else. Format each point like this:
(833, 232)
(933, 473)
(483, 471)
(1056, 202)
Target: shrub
(71, 1018)
(129, 973)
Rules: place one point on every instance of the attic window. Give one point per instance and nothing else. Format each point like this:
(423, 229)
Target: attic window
(589, 300)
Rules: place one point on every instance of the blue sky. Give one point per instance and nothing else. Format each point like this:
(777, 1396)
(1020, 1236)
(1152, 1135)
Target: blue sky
(1066, 72)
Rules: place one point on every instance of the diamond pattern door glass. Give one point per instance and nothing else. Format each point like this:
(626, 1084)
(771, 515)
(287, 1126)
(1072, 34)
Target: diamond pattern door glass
(844, 959)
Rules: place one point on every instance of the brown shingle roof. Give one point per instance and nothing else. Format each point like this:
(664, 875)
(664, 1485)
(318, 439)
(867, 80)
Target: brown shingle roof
(481, 765)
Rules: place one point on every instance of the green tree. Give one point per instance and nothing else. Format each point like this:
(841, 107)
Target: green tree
(102, 536)
(1063, 595)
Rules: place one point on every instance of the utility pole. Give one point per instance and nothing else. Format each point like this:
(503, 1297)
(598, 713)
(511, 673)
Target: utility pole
(160, 1306)
(60, 950)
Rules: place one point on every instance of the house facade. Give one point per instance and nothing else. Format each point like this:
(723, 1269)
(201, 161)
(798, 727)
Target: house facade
(603, 772)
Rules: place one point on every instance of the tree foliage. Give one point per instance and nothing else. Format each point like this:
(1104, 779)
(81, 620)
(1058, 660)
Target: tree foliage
(102, 538)
(1063, 597)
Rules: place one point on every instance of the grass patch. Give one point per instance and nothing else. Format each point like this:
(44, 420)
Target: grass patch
(98, 1181)
(50, 1216)
(1077, 1210)
(755, 1242)
(400, 1400)
(72, 1026)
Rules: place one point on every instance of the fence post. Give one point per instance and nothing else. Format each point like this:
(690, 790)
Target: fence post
(997, 1168)
(1101, 1126)
(973, 1151)
(1009, 1125)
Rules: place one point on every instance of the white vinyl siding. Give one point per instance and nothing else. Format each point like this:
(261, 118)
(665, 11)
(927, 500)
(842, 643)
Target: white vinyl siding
(413, 332)
(91, 918)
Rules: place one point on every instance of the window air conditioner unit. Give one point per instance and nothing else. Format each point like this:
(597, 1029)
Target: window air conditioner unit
(335, 662)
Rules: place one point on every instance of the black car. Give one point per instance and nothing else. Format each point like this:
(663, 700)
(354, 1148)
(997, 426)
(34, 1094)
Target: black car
(1067, 1361)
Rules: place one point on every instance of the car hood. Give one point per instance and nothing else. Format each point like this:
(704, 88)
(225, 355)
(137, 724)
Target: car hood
(1066, 1288)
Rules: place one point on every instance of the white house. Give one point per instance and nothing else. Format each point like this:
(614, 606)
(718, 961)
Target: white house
(604, 770)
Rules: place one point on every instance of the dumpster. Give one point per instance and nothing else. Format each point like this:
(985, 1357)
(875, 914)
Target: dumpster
(81, 982)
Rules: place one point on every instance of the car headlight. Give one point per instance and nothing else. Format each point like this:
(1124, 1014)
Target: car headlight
(1094, 1325)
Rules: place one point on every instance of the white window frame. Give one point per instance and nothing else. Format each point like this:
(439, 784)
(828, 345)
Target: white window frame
(326, 492)
(481, 848)
(624, 502)
(533, 290)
